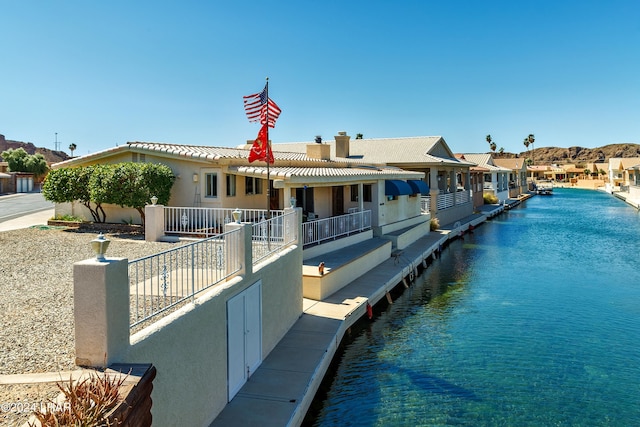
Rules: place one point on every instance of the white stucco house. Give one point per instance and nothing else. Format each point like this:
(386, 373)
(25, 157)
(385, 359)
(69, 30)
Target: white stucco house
(496, 180)
(222, 177)
(446, 178)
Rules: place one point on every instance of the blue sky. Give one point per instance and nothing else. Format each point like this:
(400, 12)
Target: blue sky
(101, 73)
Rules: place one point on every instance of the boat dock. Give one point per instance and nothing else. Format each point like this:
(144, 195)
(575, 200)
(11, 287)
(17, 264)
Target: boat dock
(282, 389)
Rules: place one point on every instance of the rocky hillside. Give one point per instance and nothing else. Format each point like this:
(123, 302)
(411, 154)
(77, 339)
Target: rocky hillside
(578, 155)
(50, 156)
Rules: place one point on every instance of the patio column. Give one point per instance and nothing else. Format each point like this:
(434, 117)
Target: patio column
(434, 191)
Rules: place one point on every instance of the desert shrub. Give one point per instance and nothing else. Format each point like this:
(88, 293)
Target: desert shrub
(86, 402)
(490, 199)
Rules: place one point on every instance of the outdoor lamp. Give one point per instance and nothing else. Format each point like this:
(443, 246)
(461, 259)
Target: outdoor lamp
(99, 246)
(154, 200)
(292, 202)
(236, 215)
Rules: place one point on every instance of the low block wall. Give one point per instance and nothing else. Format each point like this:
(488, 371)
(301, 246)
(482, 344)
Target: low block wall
(319, 286)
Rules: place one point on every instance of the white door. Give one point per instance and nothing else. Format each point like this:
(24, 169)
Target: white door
(244, 336)
(253, 316)
(235, 344)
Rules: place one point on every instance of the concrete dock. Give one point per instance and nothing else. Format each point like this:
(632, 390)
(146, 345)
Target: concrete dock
(280, 392)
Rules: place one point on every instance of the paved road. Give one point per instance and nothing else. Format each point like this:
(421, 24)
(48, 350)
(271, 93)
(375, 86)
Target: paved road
(21, 204)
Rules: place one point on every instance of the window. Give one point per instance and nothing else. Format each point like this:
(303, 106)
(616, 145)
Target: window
(252, 185)
(211, 185)
(135, 158)
(366, 193)
(231, 185)
(354, 192)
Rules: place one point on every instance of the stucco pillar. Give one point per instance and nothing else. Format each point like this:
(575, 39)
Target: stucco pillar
(153, 223)
(241, 248)
(434, 191)
(295, 226)
(101, 310)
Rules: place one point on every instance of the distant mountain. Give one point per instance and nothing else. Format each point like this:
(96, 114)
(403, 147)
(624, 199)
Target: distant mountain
(50, 156)
(577, 155)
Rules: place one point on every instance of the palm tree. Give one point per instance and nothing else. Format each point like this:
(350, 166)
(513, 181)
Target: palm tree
(492, 144)
(72, 148)
(531, 138)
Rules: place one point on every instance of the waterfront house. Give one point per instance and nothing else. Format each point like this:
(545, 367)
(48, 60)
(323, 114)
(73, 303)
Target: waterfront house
(496, 179)
(517, 176)
(618, 171)
(477, 183)
(447, 179)
(222, 177)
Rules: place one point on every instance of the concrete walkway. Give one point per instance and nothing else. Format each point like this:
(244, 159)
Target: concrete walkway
(281, 391)
(26, 221)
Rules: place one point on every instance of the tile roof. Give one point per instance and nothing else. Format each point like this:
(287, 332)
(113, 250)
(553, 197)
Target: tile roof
(484, 160)
(626, 162)
(514, 163)
(417, 150)
(322, 174)
(204, 153)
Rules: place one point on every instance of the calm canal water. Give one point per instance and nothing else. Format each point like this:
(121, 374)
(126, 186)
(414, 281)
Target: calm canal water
(531, 320)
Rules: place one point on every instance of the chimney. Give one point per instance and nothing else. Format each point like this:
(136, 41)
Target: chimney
(342, 144)
(319, 151)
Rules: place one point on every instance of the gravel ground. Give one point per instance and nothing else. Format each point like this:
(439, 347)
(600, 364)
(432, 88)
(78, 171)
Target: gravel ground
(36, 300)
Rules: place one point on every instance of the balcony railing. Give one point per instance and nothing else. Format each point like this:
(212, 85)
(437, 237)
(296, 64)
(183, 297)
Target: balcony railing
(270, 236)
(208, 221)
(321, 230)
(449, 200)
(160, 282)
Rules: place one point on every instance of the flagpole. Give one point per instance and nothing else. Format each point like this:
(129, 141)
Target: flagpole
(268, 151)
(266, 88)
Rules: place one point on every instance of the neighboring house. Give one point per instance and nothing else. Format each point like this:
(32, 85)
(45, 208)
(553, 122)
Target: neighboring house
(222, 177)
(496, 179)
(634, 183)
(477, 183)
(618, 170)
(538, 172)
(598, 170)
(446, 178)
(517, 177)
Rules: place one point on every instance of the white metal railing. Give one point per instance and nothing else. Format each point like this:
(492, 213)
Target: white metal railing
(207, 221)
(270, 236)
(316, 232)
(425, 204)
(463, 197)
(162, 281)
(445, 200)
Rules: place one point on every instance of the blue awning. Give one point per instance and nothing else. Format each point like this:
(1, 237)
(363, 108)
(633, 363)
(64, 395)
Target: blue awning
(418, 186)
(393, 187)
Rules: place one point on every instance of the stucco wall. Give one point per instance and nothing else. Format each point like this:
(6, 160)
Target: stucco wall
(189, 348)
(453, 214)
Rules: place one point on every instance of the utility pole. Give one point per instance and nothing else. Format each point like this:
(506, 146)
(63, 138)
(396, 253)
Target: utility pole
(57, 143)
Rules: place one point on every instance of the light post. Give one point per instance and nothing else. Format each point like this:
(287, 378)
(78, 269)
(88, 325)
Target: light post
(99, 246)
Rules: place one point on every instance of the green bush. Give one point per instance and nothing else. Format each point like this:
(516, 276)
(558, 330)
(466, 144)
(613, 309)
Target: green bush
(490, 199)
(67, 217)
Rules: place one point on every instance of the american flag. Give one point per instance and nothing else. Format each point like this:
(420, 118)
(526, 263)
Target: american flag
(256, 108)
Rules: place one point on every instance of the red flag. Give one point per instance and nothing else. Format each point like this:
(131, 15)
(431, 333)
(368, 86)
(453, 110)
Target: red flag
(260, 148)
